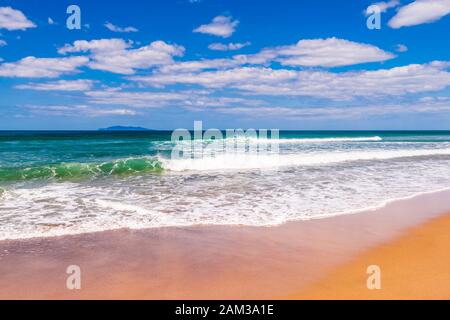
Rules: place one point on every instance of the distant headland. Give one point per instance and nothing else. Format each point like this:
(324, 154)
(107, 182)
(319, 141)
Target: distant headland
(124, 128)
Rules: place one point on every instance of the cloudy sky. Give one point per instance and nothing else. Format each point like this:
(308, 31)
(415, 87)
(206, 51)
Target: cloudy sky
(296, 64)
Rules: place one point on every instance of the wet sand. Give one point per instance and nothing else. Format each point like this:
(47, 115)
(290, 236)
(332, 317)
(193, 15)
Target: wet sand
(230, 262)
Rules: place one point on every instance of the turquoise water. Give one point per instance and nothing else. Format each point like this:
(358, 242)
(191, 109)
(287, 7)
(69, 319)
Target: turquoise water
(56, 183)
(44, 155)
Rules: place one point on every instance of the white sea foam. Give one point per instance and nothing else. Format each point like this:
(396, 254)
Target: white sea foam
(236, 161)
(252, 140)
(315, 140)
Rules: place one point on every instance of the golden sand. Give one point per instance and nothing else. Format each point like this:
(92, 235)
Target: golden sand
(414, 266)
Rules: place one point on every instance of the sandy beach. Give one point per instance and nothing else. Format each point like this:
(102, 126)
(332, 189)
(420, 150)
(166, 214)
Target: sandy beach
(415, 266)
(323, 258)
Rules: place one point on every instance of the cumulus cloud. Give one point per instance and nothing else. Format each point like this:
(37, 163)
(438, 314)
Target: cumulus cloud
(50, 21)
(221, 78)
(115, 28)
(118, 56)
(61, 85)
(414, 78)
(221, 26)
(419, 12)
(12, 19)
(96, 46)
(331, 52)
(228, 46)
(383, 6)
(32, 67)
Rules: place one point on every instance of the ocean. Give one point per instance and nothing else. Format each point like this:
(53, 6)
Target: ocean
(60, 183)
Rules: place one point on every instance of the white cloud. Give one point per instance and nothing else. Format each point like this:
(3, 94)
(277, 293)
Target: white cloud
(401, 48)
(77, 111)
(115, 28)
(3, 43)
(228, 46)
(222, 78)
(382, 6)
(339, 112)
(117, 56)
(398, 81)
(96, 46)
(32, 67)
(319, 52)
(331, 52)
(134, 99)
(112, 112)
(296, 113)
(419, 12)
(61, 85)
(429, 99)
(220, 26)
(199, 65)
(50, 21)
(192, 99)
(377, 84)
(12, 19)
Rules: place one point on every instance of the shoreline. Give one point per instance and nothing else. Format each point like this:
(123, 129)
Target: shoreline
(376, 208)
(206, 262)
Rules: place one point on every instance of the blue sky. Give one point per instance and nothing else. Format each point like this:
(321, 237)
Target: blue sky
(263, 64)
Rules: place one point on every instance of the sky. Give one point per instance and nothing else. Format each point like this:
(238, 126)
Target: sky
(285, 64)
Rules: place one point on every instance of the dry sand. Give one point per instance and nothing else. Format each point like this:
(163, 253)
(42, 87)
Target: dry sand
(415, 266)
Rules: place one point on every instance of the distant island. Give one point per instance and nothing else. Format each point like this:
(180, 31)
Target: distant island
(124, 128)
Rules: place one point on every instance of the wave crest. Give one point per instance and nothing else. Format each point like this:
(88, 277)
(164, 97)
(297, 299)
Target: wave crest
(228, 161)
(316, 140)
(253, 161)
(65, 171)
